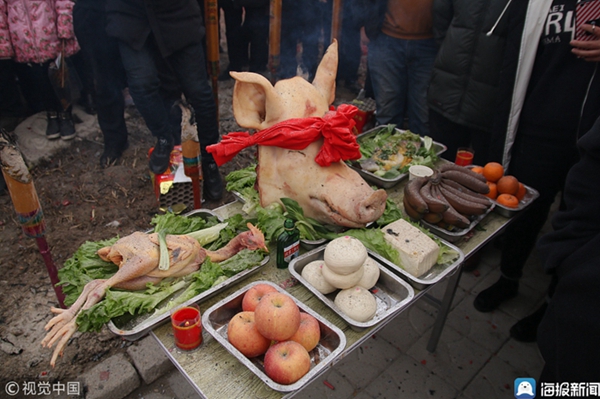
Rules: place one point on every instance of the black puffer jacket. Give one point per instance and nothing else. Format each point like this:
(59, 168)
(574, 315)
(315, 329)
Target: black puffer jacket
(175, 23)
(464, 83)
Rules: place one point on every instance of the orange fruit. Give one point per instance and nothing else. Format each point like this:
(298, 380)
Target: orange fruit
(493, 190)
(493, 171)
(477, 169)
(508, 185)
(508, 200)
(521, 192)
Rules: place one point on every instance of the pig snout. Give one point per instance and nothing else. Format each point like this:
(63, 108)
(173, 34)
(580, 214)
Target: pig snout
(356, 210)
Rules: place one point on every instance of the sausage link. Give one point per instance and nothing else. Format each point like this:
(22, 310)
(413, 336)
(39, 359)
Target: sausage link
(466, 180)
(462, 205)
(412, 195)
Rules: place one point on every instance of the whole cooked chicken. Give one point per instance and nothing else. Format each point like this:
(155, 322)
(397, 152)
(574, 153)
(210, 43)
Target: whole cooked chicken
(137, 256)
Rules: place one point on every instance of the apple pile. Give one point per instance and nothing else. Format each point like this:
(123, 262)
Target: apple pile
(271, 323)
(346, 266)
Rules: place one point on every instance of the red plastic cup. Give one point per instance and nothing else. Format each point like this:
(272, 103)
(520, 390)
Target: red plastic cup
(464, 156)
(187, 327)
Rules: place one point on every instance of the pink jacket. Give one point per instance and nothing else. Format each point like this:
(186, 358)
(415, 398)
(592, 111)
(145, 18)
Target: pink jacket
(36, 30)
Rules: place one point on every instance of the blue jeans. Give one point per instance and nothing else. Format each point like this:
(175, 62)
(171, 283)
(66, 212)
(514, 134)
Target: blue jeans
(189, 66)
(400, 72)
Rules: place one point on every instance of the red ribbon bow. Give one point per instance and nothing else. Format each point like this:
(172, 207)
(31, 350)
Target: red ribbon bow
(296, 134)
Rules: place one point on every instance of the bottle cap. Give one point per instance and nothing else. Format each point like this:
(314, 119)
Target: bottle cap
(288, 224)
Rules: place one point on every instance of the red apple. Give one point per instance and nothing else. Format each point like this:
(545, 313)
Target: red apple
(286, 362)
(309, 332)
(253, 296)
(243, 335)
(277, 316)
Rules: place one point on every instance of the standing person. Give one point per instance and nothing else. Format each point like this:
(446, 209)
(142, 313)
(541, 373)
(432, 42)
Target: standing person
(256, 30)
(554, 100)
(102, 52)
(34, 34)
(237, 45)
(568, 334)
(173, 31)
(464, 88)
(400, 59)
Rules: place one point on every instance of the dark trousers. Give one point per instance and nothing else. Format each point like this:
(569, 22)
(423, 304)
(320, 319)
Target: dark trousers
(540, 162)
(38, 85)
(11, 104)
(237, 45)
(256, 30)
(300, 23)
(454, 135)
(189, 66)
(102, 52)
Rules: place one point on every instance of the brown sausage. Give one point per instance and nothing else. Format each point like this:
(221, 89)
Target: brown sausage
(462, 205)
(412, 195)
(462, 191)
(467, 180)
(410, 211)
(434, 204)
(452, 166)
(453, 218)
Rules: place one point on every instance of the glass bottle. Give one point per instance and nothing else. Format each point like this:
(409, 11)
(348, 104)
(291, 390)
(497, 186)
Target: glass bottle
(288, 244)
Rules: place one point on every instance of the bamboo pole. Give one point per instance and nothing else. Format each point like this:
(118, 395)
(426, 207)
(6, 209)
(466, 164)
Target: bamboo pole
(19, 183)
(274, 38)
(211, 12)
(336, 20)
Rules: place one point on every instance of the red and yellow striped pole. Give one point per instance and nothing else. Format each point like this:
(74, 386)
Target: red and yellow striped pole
(274, 38)
(211, 16)
(336, 20)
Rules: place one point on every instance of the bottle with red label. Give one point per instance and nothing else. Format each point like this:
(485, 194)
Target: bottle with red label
(288, 244)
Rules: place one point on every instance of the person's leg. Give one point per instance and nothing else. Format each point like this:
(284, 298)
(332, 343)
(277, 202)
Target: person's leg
(144, 87)
(257, 20)
(188, 64)
(38, 76)
(546, 172)
(289, 40)
(237, 45)
(388, 72)
(421, 56)
(103, 54)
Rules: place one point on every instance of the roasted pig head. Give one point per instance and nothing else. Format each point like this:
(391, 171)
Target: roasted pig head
(334, 194)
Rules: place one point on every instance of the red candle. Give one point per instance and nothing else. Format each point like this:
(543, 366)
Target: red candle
(187, 328)
(464, 157)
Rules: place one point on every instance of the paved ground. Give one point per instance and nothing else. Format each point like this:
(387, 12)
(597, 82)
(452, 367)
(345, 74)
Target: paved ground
(476, 358)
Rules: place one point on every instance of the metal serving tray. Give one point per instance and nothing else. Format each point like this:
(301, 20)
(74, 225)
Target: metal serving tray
(391, 292)
(132, 328)
(530, 195)
(333, 341)
(380, 181)
(457, 233)
(435, 274)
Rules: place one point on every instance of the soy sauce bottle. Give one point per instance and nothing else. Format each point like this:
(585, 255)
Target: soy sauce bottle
(288, 244)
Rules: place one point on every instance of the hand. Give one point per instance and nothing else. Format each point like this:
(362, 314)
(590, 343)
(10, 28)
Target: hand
(588, 50)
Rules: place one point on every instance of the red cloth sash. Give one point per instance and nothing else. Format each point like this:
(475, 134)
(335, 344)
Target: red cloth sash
(296, 134)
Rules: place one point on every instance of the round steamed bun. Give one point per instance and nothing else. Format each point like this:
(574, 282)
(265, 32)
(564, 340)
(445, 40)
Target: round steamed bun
(371, 274)
(345, 255)
(313, 275)
(357, 303)
(340, 280)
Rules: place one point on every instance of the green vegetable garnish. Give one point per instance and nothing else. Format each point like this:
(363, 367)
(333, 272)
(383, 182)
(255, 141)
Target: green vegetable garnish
(163, 261)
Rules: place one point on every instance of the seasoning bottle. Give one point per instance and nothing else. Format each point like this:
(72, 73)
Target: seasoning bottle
(288, 244)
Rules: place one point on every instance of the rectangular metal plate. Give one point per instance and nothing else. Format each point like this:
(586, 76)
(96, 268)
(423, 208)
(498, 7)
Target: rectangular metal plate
(332, 343)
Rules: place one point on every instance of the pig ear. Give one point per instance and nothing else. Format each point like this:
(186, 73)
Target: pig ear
(254, 100)
(324, 79)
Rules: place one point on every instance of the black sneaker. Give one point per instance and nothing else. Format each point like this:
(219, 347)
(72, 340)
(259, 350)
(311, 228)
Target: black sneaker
(67, 129)
(53, 128)
(213, 183)
(525, 330)
(501, 291)
(112, 154)
(161, 155)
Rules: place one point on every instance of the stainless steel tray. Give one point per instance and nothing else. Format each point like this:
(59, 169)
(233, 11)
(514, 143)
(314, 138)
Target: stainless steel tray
(332, 343)
(391, 292)
(435, 274)
(133, 328)
(380, 181)
(457, 233)
(530, 195)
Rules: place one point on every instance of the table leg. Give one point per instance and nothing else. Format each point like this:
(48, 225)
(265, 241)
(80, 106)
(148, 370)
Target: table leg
(444, 309)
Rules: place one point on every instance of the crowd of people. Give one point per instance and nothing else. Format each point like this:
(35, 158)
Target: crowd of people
(515, 81)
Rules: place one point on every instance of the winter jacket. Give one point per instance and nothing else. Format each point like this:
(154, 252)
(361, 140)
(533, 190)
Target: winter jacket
(472, 37)
(36, 30)
(175, 24)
